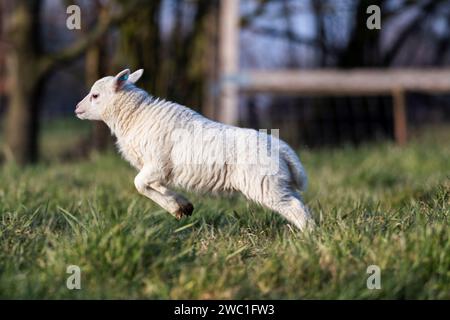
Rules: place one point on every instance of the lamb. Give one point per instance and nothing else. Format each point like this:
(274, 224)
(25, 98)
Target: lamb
(174, 146)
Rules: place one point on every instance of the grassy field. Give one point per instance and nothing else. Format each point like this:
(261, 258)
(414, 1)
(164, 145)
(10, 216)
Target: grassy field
(374, 205)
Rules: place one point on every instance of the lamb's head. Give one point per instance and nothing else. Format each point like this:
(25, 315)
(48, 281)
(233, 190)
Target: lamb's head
(103, 93)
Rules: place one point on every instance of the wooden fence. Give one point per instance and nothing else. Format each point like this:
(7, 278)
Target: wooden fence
(370, 82)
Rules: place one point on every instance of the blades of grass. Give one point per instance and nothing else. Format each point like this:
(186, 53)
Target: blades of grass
(70, 222)
(236, 252)
(131, 207)
(185, 227)
(31, 218)
(68, 214)
(182, 254)
(94, 214)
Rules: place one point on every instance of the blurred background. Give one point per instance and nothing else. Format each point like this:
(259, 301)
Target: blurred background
(196, 52)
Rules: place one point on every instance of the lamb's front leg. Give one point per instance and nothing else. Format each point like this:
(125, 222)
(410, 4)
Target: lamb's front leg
(147, 184)
(185, 207)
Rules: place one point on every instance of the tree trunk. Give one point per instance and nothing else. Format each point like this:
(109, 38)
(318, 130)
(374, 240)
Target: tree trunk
(22, 116)
(95, 69)
(25, 81)
(363, 49)
(211, 64)
(28, 67)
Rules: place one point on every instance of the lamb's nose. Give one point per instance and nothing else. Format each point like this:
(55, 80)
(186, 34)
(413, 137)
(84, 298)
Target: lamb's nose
(78, 109)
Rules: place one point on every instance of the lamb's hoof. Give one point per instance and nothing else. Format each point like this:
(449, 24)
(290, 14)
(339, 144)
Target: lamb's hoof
(185, 210)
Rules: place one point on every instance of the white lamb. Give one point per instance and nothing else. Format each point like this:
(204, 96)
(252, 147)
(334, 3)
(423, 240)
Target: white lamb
(174, 146)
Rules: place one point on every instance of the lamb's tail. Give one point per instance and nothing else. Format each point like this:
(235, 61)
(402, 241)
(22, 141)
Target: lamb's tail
(295, 167)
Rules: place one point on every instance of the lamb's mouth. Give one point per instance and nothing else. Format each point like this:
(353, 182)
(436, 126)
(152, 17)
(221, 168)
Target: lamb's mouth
(79, 113)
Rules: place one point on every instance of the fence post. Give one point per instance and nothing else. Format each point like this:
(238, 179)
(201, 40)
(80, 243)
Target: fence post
(229, 61)
(400, 118)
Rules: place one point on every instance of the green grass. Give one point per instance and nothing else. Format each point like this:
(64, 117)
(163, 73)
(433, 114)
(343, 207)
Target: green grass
(377, 204)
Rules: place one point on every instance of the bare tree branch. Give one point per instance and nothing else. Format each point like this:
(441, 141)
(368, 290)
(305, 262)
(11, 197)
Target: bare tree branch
(105, 22)
(260, 10)
(292, 37)
(425, 9)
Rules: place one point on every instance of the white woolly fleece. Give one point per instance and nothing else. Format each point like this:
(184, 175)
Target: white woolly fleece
(174, 146)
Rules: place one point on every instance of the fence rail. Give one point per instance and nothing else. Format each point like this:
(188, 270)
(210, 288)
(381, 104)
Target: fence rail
(359, 82)
(348, 82)
(356, 82)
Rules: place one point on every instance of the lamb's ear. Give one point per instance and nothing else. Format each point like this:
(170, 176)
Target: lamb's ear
(120, 79)
(135, 76)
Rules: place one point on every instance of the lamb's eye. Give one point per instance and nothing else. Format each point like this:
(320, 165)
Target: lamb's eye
(95, 95)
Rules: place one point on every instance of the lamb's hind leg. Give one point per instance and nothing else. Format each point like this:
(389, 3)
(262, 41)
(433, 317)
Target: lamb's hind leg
(172, 202)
